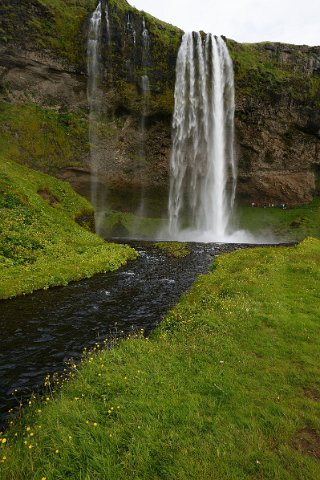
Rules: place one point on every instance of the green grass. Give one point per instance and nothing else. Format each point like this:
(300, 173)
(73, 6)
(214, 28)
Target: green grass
(258, 73)
(283, 224)
(225, 389)
(41, 245)
(56, 25)
(174, 249)
(42, 138)
(64, 34)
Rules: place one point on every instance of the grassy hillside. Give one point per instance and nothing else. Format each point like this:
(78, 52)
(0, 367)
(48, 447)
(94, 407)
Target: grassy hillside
(41, 244)
(42, 138)
(228, 388)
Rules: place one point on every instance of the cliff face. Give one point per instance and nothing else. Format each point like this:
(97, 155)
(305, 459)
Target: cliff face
(43, 92)
(278, 121)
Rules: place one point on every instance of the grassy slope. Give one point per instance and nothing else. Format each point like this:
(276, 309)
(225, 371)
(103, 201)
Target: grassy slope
(225, 390)
(40, 244)
(42, 138)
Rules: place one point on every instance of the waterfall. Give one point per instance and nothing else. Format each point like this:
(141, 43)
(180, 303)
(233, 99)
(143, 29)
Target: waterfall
(203, 164)
(145, 36)
(93, 55)
(145, 60)
(94, 94)
(108, 30)
(145, 92)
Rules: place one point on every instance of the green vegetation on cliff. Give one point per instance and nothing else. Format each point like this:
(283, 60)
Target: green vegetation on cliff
(267, 68)
(41, 241)
(134, 60)
(228, 388)
(42, 138)
(47, 24)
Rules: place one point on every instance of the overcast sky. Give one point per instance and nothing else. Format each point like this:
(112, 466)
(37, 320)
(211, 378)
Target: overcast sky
(289, 21)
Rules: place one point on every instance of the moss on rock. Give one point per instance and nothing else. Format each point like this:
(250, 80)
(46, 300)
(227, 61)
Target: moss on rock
(270, 69)
(42, 138)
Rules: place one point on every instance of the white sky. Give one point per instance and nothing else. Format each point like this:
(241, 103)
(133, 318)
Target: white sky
(289, 21)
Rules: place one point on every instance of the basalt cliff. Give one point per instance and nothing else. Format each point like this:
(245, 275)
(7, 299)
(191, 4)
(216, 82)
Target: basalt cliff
(44, 109)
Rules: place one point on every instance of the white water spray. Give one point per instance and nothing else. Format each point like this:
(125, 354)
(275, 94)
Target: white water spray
(93, 55)
(145, 92)
(145, 36)
(203, 164)
(108, 24)
(94, 93)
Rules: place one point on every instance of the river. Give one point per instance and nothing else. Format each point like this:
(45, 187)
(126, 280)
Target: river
(41, 331)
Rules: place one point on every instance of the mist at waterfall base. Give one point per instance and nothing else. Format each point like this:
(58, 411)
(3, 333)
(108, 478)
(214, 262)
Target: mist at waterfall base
(203, 171)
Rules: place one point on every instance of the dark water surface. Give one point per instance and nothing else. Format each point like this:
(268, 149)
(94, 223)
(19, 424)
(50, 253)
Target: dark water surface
(39, 332)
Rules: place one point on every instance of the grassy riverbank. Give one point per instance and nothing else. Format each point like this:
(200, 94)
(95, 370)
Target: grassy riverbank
(228, 387)
(45, 237)
(281, 224)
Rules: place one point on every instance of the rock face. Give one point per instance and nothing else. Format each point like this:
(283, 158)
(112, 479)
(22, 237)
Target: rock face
(278, 122)
(44, 64)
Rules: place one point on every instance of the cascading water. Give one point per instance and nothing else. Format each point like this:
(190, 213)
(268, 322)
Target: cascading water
(145, 82)
(108, 31)
(94, 93)
(203, 164)
(145, 91)
(145, 37)
(98, 70)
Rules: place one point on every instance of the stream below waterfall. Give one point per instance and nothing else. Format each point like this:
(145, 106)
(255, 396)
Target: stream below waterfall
(41, 331)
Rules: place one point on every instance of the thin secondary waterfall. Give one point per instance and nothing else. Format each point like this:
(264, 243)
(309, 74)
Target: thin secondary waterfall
(203, 164)
(99, 33)
(93, 59)
(108, 24)
(94, 70)
(145, 36)
(145, 92)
